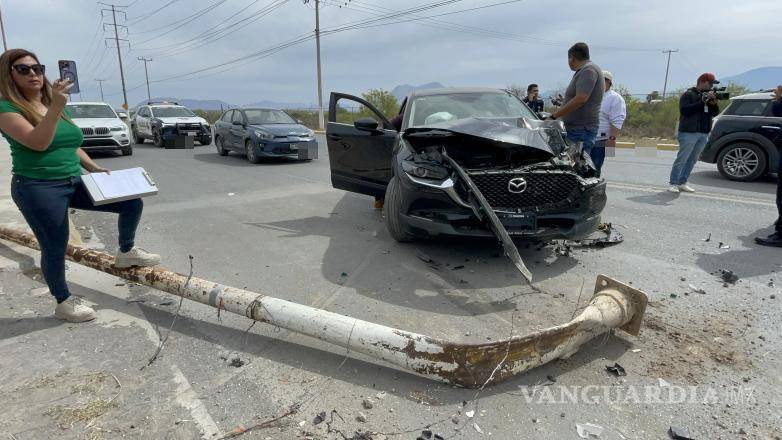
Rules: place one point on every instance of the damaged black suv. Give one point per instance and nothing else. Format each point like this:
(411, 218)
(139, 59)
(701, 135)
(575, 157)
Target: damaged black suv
(465, 162)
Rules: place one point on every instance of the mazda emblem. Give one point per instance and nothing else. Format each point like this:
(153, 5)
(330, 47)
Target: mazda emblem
(517, 185)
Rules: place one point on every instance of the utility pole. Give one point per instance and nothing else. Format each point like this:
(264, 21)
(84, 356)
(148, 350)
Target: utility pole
(100, 84)
(2, 30)
(117, 39)
(667, 67)
(146, 73)
(321, 122)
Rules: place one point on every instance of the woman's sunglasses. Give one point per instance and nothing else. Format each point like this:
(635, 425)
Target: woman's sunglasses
(24, 69)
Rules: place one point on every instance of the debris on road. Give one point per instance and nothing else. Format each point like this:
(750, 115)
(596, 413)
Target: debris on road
(367, 404)
(431, 262)
(677, 433)
(319, 418)
(361, 417)
(469, 413)
(616, 370)
(728, 276)
(723, 246)
(477, 428)
(588, 430)
(708, 239)
(461, 266)
(696, 289)
(605, 235)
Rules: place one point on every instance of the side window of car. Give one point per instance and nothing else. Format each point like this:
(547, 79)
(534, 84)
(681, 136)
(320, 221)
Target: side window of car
(754, 107)
(227, 116)
(237, 117)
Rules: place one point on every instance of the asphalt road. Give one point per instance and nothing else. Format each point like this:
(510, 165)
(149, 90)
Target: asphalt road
(278, 227)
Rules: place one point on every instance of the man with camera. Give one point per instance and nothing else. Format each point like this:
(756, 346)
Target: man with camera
(775, 239)
(697, 107)
(532, 99)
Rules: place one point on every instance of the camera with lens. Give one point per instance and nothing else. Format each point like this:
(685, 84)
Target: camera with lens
(720, 93)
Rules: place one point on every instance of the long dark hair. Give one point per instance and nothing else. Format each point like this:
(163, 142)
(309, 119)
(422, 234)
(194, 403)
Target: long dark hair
(10, 92)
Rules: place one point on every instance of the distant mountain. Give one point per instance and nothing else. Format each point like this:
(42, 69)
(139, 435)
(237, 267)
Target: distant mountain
(282, 105)
(194, 104)
(756, 79)
(400, 92)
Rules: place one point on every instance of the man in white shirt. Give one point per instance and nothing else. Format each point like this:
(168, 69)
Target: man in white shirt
(612, 115)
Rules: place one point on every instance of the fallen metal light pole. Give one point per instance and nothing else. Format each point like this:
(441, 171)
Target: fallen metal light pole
(614, 305)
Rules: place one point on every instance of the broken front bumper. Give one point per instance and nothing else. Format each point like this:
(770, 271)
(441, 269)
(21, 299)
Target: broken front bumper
(434, 208)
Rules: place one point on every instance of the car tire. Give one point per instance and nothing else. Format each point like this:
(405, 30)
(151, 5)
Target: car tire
(742, 162)
(392, 207)
(250, 152)
(220, 147)
(127, 151)
(157, 138)
(205, 141)
(136, 137)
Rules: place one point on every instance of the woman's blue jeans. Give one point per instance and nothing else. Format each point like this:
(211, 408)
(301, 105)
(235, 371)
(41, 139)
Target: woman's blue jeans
(44, 204)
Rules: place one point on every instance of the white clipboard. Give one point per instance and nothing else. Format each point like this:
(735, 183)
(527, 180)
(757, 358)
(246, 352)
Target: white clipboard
(120, 185)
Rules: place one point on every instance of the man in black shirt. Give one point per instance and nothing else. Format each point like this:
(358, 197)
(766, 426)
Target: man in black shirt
(775, 239)
(697, 106)
(532, 100)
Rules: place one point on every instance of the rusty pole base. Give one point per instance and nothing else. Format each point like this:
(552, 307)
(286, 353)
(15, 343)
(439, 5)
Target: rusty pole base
(614, 305)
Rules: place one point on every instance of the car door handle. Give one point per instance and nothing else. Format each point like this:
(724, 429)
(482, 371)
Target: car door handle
(770, 127)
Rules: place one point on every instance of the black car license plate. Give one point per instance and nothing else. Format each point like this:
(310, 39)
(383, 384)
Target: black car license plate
(519, 222)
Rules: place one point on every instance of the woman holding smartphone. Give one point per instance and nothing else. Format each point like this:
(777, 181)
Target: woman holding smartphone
(47, 160)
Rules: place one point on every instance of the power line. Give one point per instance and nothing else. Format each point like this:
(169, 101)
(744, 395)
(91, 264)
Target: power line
(211, 37)
(141, 17)
(183, 21)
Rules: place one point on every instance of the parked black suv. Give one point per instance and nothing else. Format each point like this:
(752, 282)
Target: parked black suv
(465, 162)
(745, 140)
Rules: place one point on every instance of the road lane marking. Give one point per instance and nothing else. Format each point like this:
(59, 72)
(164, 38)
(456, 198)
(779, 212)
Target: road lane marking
(186, 396)
(700, 195)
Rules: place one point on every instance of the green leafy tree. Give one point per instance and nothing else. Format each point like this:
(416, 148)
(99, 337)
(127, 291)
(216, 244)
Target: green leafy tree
(383, 100)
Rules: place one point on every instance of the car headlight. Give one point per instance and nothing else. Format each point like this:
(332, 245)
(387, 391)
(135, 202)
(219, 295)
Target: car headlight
(311, 133)
(424, 170)
(263, 134)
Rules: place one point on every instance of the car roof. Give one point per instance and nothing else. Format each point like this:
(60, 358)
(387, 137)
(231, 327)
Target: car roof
(87, 102)
(256, 108)
(454, 90)
(755, 96)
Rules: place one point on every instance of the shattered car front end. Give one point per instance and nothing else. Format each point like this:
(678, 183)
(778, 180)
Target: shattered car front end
(538, 184)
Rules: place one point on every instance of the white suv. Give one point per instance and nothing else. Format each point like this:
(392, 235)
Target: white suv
(101, 127)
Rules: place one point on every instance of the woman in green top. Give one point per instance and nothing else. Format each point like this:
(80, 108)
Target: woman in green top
(47, 161)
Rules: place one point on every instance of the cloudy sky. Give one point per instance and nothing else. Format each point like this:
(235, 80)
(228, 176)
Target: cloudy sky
(468, 44)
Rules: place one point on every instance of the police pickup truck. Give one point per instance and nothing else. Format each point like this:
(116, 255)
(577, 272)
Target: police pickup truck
(161, 121)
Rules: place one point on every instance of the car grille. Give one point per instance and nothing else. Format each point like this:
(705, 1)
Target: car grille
(97, 131)
(544, 190)
(189, 127)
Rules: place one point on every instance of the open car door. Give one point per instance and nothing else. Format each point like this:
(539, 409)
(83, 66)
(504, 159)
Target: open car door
(360, 141)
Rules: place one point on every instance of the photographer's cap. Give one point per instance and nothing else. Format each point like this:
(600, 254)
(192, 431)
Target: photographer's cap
(608, 75)
(709, 77)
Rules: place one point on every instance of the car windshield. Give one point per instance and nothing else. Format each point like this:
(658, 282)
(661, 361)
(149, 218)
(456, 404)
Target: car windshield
(260, 116)
(171, 112)
(91, 111)
(428, 110)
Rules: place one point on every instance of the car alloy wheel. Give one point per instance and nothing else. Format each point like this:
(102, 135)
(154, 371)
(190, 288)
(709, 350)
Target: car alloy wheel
(157, 139)
(220, 145)
(741, 162)
(251, 156)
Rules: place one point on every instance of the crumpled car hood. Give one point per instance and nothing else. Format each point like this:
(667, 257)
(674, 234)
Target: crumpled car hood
(514, 133)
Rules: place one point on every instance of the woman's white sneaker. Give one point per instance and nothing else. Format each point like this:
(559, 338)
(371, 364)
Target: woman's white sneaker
(72, 310)
(686, 188)
(136, 257)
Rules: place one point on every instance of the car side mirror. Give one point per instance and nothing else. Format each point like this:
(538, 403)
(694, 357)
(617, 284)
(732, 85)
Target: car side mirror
(366, 124)
(299, 121)
(544, 115)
